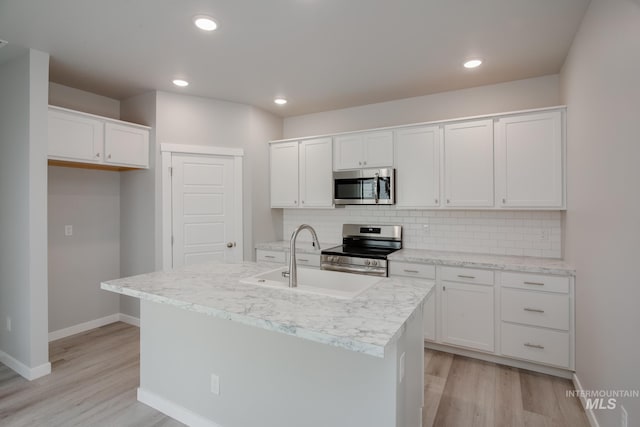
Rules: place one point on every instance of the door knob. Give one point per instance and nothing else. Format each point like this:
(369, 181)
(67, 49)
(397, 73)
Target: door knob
(230, 244)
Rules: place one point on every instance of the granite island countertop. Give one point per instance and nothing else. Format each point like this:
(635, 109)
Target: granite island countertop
(364, 324)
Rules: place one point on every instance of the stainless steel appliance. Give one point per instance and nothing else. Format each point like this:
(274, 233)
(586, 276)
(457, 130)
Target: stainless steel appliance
(364, 187)
(364, 249)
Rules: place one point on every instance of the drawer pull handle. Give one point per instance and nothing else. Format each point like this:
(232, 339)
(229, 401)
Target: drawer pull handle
(303, 260)
(535, 310)
(466, 277)
(534, 283)
(269, 256)
(411, 271)
(541, 347)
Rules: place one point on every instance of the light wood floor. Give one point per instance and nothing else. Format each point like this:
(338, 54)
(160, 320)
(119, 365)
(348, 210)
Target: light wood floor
(95, 375)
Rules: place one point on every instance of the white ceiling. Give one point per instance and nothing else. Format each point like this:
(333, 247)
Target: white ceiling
(319, 54)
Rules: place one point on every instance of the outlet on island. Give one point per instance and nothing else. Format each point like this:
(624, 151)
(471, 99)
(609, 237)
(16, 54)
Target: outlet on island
(215, 384)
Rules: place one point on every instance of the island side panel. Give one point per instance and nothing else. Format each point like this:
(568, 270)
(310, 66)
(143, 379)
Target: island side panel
(269, 378)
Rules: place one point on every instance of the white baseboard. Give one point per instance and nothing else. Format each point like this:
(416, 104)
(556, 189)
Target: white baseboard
(591, 416)
(82, 327)
(92, 324)
(23, 370)
(135, 321)
(174, 410)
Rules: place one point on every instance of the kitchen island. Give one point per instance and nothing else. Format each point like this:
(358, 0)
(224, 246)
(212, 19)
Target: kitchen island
(217, 352)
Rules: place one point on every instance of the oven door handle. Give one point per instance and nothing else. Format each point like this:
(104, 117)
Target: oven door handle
(376, 187)
(352, 269)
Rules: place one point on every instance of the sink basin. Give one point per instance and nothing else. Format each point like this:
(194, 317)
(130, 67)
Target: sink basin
(319, 282)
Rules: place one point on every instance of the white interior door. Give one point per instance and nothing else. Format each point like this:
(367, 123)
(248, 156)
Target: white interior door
(203, 210)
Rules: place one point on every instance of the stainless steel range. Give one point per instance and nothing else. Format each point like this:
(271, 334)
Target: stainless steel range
(364, 249)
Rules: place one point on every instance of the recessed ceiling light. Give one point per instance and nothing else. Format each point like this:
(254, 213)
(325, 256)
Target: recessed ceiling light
(180, 83)
(205, 22)
(473, 63)
(280, 101)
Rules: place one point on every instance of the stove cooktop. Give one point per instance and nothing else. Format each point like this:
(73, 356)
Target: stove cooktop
(359, 251)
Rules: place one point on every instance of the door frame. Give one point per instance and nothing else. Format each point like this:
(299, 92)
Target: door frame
(167, 151)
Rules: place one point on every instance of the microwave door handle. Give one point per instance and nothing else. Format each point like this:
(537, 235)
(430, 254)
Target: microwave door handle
(376, 188)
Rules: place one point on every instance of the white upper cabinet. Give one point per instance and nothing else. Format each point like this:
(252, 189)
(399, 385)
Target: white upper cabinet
(316, 173)
(363, 150)
(126, 145)
(73, 137)
(417, 156)
(468, 164)
(284, 175)
(301, 174)
(92, 140)
(529, 161)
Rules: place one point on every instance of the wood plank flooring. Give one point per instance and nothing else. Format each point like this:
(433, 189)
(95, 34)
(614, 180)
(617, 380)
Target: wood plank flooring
(460, 391)
(95, 375)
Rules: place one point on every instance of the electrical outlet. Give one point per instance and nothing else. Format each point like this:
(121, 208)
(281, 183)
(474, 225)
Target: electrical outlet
(68, 230)
(624, 417)
(544, 234)
(8, 324)
(402, 367)
(215, 384)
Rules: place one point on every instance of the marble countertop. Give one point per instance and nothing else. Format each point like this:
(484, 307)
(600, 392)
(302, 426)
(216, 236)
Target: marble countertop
(364, 324)
(494, 262)
(454, 259)
(301, 247)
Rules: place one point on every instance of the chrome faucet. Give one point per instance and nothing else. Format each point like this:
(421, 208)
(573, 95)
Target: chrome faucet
(293, 272)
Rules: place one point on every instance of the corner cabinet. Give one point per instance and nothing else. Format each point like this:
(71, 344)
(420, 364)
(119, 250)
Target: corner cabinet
(529, 160)
(301, 174)
(363, 150)
(77, 138)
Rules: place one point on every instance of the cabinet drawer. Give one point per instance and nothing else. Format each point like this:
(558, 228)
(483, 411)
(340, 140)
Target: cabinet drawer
(467, 275)
(536, 282)
(423, 271)
(270, 256)
(536, 308)
(308, 260)
(536, 344)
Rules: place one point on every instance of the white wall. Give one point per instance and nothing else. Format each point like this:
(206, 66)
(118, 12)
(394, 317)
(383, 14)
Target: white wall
(138, 204)
(89, 200)
(76, 99)
(23, 223)
(517, 95)
(601, 87)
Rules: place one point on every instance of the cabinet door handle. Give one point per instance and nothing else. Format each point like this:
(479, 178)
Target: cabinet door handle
(364, 163)
(303, 260)
(534, 283)
(448, 201)
(359, 163)
(444, 288)
(534, 310)
(97, 154)
(541, 347)
(411, 271)
(436, 201)
(466, 277)
(109, 156)
(269, 256)
(504, 201)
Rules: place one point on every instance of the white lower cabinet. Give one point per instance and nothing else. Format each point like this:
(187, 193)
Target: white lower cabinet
(281, 257)
(536, 344)
(467, 315)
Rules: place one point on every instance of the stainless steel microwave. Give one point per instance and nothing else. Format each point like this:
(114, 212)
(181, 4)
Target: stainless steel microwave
(364, 187)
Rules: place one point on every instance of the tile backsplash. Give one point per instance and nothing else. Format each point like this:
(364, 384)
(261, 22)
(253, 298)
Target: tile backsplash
(523, 233)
